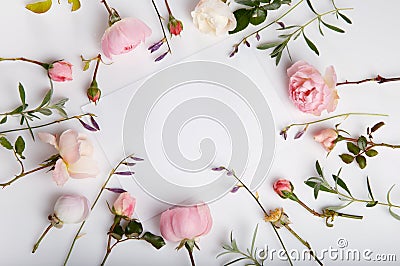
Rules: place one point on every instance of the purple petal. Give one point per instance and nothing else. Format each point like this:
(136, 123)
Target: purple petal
(221, 168)
(94, 123)
(137, 159)
(116, 190)
(125, 173)
(161, 57)
(87, 126)
(229, 173)
(258, 37)
(235, 189)
(247, 43)
(155, 46)
(129, 164)
(299, 134)
(281, 24)
(283, 133)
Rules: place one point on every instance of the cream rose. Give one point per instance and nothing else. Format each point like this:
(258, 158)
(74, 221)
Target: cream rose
(213, 17)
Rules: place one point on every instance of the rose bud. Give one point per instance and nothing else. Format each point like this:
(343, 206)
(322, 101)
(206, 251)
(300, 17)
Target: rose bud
(124, 205)
(93, 93)
(75, 156)
(123, 36)
(283, 188)
(213, 17)
(68, 209)
(60, 71)
(174, 26)
(310, 91)
(185, 223)
(327, 137)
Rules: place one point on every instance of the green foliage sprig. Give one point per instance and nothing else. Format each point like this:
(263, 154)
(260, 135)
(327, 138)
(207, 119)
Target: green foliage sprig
(341, 189)
(40, 7)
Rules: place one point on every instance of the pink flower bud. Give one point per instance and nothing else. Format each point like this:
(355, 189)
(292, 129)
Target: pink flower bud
(123, 36)
(124, 205)
(93, 93)
(282, 185)
(174, 26)
(181, 223)
(60, 71)
(327, 137)
(71, 209)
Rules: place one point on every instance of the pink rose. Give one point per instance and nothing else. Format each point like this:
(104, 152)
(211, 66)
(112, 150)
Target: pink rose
(327, 138)
(283, 185)
(124, 205)
(123, 36)
(71, 209)
(309, 91)
(60, 71)
(181, 223)
(76, 153)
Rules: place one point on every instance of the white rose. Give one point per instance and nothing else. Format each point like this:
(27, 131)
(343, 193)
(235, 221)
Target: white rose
(213, 17)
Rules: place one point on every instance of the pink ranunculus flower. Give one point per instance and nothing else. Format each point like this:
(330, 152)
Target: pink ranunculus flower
(71, 209)
(60, 71)
(76, 156)
(124, 205)
(185, 223)
(310, 91)
(283, 185)
(327, 137)
(123, 36)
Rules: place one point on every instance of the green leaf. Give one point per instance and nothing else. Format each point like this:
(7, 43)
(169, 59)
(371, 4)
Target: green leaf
(61, 112)
(234, 261)
(19, 146)
(394, 215)
(345, 18)
(267, 45)
(354, 149)
(46, 98)
(331, 27)
(242, 19)
(5, 143)
(319, 169)
(258, 16)
(317, 187)
(311, 7)
(278, 58)
(253, 241)
(346, 158)
(76, 4)
(362, 142)
(341, 183)
(336, 208)
(61, 102)
(369, 189)
(3, 120)
(133, 229)
(276, 4)
(371, 153)
(156, 241)
(248, 2)
(45, 111)
(17, 110)
(39, 7)
(86, 65)
(377, 126)
(117, 232)
(362, 162)
(311, 44)
(371, 203)
(22, 95)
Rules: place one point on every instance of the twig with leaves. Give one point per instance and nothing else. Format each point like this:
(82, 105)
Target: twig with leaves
(321, 184)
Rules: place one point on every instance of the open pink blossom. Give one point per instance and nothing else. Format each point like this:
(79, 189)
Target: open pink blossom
(123, 36)
(182, 223)
(76, 156)
(60, 71)
(327, 137)
(124, 205)
(310, 91)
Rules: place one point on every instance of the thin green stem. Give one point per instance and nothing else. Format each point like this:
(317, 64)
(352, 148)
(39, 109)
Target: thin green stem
(309, 209)
(24, 174)
(364, 201)
(47, 124)
(25, 60)
(93, 205)
(36, 246)
(305, 243)
(161, 24)
(271, 23)
(265, 213)
(98, 59)
(190, 251)
(346, 115)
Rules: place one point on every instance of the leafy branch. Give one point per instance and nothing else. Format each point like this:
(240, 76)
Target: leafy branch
(341, 189)
(249, 254)
(295, 31)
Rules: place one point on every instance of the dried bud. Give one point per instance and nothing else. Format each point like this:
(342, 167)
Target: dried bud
(94, 93)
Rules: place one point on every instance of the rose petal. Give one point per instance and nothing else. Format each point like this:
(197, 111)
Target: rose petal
(85, 167)
(69, 146)
(60, 173)
(48, 138)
